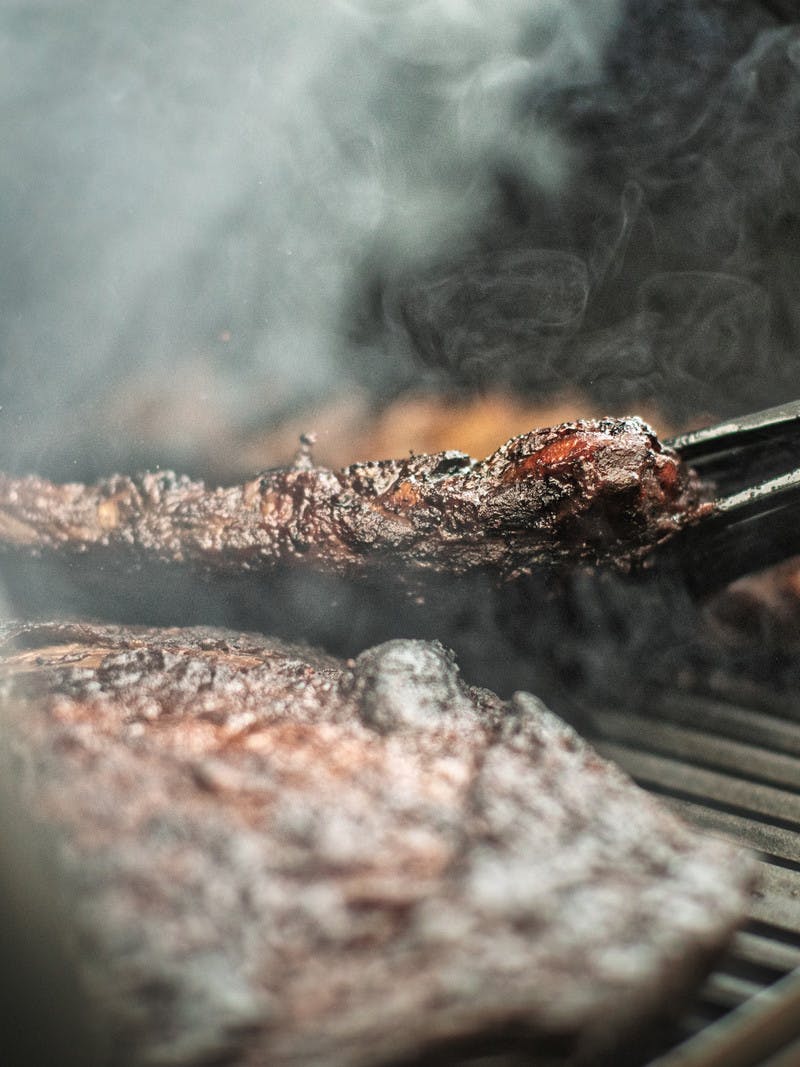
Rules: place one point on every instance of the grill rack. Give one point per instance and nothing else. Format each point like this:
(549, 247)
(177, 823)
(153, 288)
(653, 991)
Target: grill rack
(727, 758)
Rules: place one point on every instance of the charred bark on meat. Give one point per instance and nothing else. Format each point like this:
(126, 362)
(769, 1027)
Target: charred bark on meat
(432, 546)
(591, 491)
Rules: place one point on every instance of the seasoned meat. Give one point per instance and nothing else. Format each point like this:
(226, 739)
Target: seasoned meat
(267, 856)
(584, 491)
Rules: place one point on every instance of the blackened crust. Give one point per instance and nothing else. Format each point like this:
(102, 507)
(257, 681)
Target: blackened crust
(589, 491)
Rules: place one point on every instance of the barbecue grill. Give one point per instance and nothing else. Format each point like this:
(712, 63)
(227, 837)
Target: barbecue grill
(730, 763)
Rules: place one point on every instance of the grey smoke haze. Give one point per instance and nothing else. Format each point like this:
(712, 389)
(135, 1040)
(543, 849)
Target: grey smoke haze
(683, 204)
(194, 196)
(212, 213)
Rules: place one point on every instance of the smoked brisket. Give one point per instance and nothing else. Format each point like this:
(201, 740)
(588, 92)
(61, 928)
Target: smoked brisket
(266, 856)
(589, 491)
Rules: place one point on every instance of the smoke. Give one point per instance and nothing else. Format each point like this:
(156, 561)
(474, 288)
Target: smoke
(683, 206)
(494, 309)
(195, 196)
(212, 215)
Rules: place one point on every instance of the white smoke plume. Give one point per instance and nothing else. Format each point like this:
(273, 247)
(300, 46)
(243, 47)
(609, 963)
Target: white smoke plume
(193, 195)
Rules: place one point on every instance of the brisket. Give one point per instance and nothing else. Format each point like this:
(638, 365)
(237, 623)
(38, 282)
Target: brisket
(589, 491)
(267, 856)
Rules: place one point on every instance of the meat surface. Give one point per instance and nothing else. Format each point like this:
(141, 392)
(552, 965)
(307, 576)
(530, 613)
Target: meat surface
(267, 856)
(601, 490)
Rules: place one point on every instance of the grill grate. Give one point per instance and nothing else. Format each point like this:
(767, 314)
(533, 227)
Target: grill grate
(732, 770)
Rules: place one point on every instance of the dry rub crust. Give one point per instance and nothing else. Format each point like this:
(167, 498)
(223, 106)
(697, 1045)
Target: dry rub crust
(590, 491)
(347, 864)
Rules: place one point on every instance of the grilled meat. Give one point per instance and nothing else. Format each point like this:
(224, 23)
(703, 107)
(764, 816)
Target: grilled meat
(591, 491)
(268, 856)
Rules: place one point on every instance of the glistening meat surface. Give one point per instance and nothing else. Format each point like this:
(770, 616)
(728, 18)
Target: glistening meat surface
(595, 490)
(267, 856)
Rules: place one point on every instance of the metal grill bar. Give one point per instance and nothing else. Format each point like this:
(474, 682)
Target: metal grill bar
(752, 725)
(728, 990)
(716, 752)
(784, 844)
(757, 1030)
(780, 911)
(766, 951)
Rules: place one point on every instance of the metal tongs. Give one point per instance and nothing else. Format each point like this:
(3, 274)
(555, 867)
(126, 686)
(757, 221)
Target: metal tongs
(752, 464)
